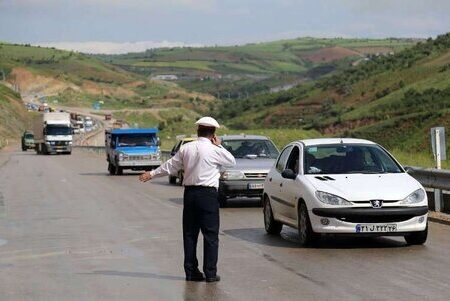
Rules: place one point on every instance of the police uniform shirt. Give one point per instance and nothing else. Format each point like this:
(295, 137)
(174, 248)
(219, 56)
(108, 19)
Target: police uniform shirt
(201, 161)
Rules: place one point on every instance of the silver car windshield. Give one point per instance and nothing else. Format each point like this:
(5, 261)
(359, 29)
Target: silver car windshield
(348, 159)
(241, 148)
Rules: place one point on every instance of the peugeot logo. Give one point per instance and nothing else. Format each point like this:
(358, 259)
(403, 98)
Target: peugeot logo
(376, 203)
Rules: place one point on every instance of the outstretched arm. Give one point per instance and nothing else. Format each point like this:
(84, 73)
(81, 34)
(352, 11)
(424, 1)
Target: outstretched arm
(171, 166)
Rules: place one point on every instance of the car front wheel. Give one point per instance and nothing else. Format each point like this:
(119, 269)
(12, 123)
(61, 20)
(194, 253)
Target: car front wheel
(270, 224)
(305, 232)
(417, 238)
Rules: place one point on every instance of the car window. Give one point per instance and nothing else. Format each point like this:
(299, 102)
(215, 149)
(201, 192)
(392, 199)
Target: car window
(260, 148)
(293, 161)
(281, 163)
(137, 140)
(347, 159)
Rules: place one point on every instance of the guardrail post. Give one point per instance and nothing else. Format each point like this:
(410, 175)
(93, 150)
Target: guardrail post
(438, 156)
(438, 200)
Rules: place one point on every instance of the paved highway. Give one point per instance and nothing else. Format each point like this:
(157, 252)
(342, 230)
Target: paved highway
(68, 231)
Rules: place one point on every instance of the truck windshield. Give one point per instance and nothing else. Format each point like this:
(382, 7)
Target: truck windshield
(348, 159)
(257, 147)
(58, 130)
(137, 140)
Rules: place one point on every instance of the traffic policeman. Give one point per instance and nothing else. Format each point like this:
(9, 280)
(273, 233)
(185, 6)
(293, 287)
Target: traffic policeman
(201, 161)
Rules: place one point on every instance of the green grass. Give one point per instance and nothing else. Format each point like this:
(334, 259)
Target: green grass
(420, 159)
(13, 115)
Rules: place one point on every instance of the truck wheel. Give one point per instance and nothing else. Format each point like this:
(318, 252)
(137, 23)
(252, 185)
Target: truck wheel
(417, 238)
(24, 149)
(172, 180)
(111, 169)
(270, 224)
(305, 231)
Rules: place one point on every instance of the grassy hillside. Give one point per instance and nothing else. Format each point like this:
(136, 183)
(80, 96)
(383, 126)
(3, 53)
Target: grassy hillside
(13, 115)
(393, 100)
(237, 71)
(76, 79)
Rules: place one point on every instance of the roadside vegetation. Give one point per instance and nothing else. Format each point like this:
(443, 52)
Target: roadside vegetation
(393, 100)
(13, 115)
(240, 71)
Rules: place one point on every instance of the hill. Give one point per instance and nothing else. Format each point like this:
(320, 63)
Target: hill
(76, 79)
(13, 115)
(240, 71)
(393, 100)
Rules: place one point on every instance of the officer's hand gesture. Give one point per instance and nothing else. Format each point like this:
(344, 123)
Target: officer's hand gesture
(144, 177)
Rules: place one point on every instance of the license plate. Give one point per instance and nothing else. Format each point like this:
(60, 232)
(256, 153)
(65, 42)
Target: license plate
(256, 186)
(375, 228)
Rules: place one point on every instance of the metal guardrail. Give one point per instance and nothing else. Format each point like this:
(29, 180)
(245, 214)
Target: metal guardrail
(431, 177)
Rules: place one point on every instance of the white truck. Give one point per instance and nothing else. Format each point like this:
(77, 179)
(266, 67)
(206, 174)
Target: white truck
(53, 133)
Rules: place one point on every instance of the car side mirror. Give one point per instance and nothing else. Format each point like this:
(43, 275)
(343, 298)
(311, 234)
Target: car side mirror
(288, 174)
(158, 141)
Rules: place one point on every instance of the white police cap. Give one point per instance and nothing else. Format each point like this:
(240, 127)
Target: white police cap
(208, 121)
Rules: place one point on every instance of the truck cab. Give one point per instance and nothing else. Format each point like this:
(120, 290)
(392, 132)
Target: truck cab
(53, 133)
(133, 149)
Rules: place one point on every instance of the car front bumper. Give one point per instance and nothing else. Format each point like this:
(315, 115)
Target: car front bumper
(140, 163)
(350, 220)
(241, 188)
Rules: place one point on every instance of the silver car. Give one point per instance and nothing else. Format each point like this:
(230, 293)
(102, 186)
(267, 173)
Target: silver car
(255, 155)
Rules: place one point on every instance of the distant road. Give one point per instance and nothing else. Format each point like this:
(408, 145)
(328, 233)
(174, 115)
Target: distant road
(68, 231)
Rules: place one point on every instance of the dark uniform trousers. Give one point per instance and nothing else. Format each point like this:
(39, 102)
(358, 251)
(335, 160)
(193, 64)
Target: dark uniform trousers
(201, 212)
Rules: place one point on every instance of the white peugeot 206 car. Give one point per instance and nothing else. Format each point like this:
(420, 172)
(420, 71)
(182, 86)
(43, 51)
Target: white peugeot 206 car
(343, 186)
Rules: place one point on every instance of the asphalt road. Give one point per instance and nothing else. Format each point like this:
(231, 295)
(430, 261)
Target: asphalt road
(68, 231)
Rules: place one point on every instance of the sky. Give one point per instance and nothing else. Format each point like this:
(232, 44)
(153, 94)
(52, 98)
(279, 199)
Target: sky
(118, 26)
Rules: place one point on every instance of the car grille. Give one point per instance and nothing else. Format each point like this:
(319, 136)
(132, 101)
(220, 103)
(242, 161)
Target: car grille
(255, 175)
(142, 157)
(376, 219)
(61, 143)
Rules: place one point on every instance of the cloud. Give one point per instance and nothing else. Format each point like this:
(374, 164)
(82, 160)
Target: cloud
(114, 48)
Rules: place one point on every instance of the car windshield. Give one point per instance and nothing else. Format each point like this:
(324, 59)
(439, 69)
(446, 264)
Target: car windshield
(58, 130)
(348, 159)
(29, 136)
(248, 147)
(137, 140)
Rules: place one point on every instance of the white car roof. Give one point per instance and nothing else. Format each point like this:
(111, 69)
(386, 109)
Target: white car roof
(323, 141)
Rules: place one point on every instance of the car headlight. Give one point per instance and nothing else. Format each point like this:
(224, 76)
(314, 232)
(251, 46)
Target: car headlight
(123, 156)
(52, 142)
(331, 199)
(232, 175)
(415, 197)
